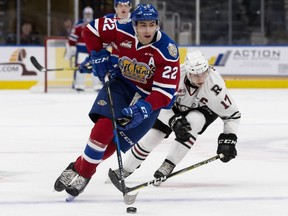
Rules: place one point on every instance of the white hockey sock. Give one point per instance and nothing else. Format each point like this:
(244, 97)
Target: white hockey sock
(139, 152)
(177, 152)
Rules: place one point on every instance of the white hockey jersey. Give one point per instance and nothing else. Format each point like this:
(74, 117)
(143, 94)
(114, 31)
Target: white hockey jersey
(213, 94)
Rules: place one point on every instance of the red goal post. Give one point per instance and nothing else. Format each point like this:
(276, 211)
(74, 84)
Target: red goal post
(54, 52)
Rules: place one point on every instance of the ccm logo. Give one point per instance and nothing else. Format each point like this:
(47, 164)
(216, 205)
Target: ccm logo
(100, 60)
(226, 141)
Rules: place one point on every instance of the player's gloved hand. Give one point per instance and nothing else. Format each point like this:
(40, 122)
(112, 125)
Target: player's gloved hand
(101, 63)
(226, 146)
(181, 127)
(85, 66)
(135, 114)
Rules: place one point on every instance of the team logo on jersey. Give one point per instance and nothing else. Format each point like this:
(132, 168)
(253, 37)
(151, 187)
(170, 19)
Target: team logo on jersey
(172, 49)
(101, 102)
(126, 44)
(136, 71)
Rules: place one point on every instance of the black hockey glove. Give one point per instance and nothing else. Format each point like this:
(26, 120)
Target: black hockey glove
(179, 124)
(226, 146)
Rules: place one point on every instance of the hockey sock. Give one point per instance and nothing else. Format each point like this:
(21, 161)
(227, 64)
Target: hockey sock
(179, 148)
(178, 151)
(111, 148)
(142, 149)
(101, 135)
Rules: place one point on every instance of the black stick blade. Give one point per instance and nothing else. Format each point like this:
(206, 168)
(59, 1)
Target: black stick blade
(114, 179)
(36, 64)
(128, 199)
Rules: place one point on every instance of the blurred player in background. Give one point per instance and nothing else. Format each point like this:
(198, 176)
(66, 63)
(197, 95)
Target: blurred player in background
(122, 11)
(145, 81)
(202, 98)
(76, 48)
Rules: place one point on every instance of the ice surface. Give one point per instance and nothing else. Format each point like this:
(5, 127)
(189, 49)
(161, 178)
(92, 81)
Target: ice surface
(40, 134)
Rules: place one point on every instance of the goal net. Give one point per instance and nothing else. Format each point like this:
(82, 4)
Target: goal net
(54, 52)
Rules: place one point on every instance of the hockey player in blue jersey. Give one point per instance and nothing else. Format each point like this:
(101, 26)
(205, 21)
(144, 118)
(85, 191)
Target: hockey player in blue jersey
(122, 9)
(77, 48)
(146, 80)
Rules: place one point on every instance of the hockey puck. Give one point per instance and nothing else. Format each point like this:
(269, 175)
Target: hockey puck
(131, 210)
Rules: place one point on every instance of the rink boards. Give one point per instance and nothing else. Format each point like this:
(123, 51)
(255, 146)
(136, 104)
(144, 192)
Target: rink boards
(240, 66)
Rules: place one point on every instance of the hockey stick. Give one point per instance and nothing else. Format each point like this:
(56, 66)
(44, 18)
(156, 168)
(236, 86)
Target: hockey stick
(128, 199)
(114, 179)
(40, 68)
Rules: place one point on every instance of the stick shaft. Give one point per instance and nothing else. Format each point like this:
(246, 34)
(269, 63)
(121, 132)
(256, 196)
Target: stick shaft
(128, 199)
(116, 138)
(40, 68)
(174, 174)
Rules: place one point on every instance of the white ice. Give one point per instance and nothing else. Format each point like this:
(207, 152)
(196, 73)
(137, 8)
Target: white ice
(40, 134)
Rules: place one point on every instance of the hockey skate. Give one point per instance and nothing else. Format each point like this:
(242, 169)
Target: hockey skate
(165, 169)
(65, 178)
(77, 186)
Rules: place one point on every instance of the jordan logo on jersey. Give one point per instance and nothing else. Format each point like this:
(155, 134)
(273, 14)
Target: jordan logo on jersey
(136, 71)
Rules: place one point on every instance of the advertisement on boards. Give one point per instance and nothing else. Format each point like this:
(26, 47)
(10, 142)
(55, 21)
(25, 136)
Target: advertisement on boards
(16, 70)
(247, 60)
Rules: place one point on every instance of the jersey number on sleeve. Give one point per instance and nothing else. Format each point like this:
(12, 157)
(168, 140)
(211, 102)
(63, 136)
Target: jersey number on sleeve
(227, 102)
(170, 73)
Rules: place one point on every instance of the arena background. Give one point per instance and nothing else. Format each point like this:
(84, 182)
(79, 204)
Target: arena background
(245, 40)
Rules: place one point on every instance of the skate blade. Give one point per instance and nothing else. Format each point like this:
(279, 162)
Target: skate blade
(70, 198)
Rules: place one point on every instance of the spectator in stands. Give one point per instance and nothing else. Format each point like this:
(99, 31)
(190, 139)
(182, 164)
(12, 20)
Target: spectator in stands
(27, 35)
(67, 28)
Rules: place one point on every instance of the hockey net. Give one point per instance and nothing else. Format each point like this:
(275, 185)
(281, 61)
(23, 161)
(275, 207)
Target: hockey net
(54, 52)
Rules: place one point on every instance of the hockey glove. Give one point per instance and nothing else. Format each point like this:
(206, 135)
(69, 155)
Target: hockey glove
(137, 113)
(101, 63)
(181, 127)
(226, 146)
(85, 66)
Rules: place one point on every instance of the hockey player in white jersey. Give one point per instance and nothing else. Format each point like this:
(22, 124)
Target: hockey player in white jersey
(202, 97)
